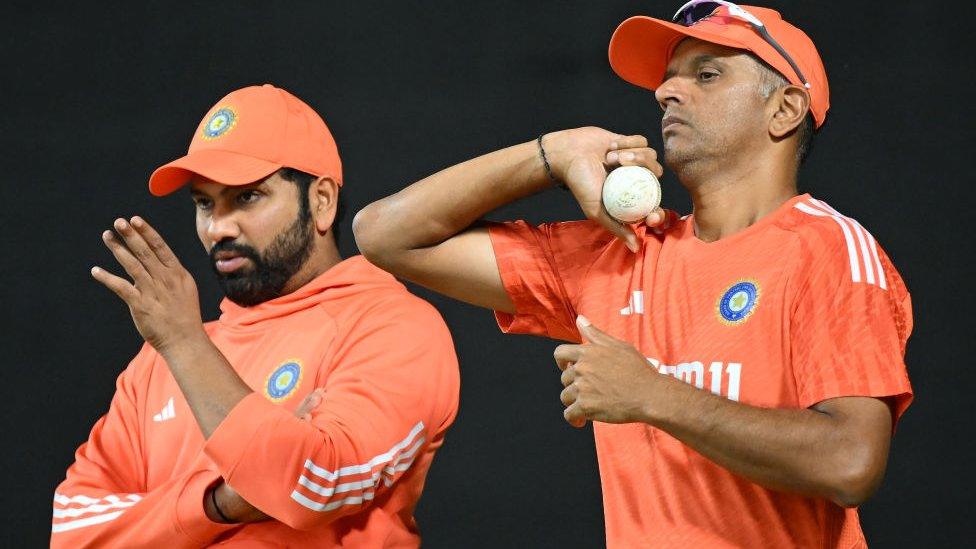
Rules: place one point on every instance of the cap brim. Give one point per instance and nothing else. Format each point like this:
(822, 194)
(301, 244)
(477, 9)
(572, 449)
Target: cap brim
(227, 168)
(641, 47)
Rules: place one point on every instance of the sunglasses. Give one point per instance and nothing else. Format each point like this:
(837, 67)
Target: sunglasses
(696, 10)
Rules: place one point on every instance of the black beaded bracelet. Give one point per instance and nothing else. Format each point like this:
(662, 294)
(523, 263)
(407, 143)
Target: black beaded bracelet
(545, 162)
(213, 499)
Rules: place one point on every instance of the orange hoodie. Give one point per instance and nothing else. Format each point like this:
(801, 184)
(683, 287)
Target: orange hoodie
(349, 477)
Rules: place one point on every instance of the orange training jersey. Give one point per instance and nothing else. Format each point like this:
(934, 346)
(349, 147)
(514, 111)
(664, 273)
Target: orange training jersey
(349, 477)
(798, 308)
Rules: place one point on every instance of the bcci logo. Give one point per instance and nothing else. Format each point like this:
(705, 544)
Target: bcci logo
(738, 302)
(219, 123)
(283, 381)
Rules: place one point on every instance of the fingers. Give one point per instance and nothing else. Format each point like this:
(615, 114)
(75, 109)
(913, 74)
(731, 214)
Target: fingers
(574, 412)
(568, 376)
(591, 333)
(661, 220)
(566, 355)
(624, 232)
(568, 395)
(574, 415)
(137, 246)
(304, 410)
(645, 157)
(628, 142)
(155, 242)
(122, 287)
(127, 259)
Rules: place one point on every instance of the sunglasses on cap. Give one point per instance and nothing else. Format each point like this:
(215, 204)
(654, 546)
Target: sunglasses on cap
(696, 10)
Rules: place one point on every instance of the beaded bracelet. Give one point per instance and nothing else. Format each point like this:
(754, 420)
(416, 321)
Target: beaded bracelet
(545, 162)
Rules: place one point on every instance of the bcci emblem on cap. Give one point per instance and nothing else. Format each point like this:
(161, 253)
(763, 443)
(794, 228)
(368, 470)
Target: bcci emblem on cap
(220, 123)
(283, 381)
(738, 302)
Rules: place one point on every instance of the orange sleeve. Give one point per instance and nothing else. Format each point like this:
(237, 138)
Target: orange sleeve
(392, 387)
(103, 501)
(542, 268)
(849, 331)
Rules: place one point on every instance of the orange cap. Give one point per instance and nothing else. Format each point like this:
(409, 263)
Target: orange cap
(248, 135)
(642, 46)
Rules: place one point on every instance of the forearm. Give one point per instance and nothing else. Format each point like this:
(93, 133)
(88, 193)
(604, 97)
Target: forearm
(796, 450)
(445, 203)
(90, 512)
(210, 385)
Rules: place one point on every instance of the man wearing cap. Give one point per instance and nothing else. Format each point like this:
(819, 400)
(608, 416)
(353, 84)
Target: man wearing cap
(309, 413)
(742, 366)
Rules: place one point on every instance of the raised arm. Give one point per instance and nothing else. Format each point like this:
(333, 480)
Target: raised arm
(426, 233)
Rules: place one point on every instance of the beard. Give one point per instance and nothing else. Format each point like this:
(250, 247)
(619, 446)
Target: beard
(271, 270)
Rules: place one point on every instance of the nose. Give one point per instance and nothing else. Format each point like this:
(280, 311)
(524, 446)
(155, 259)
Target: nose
(222, 226)
(669, 92)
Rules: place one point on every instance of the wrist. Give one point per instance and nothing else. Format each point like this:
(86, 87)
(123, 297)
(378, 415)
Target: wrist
(550, 176)
(211, 507)
(657, 397)
(180, 348)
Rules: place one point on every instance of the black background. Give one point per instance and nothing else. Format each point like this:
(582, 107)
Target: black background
(96, 96)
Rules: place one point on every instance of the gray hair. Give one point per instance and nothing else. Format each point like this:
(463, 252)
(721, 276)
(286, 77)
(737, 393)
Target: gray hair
(769, 81)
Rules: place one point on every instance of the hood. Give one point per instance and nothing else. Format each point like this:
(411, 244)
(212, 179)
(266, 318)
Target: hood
(351, 276)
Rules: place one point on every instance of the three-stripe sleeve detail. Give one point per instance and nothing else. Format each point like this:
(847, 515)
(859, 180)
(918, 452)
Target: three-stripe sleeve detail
(99, 510)
(320, 489)
(862, 249)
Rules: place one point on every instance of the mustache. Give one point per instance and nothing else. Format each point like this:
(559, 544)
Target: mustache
(234, 247)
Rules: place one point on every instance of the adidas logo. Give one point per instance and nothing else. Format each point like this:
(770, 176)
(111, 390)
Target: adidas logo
(636, 304)
(168, 412)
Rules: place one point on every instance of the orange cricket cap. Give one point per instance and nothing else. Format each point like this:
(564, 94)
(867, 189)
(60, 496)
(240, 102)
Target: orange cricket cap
(641, 48)
(248, 135)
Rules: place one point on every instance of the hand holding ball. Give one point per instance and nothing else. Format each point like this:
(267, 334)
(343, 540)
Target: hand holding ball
(631, 193)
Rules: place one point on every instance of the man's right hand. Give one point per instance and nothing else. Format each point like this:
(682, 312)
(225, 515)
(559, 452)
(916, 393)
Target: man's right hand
(583, 157)
(231, 505)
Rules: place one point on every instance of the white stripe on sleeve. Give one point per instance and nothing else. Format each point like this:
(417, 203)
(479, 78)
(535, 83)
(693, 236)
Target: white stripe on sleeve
(389, 463)
(851, 250)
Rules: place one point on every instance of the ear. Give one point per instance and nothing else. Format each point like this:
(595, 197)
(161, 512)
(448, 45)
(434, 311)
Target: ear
(323, 199)
(792, 104)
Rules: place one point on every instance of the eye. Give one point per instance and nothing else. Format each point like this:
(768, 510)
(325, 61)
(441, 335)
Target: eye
(706, 75)
(203, 204)
(248, 196)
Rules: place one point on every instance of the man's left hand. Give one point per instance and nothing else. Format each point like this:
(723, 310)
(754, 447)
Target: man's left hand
(605, 380)
(162, 296)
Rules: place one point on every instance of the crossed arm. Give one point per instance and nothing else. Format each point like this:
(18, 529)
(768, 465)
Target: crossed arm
(837, 449)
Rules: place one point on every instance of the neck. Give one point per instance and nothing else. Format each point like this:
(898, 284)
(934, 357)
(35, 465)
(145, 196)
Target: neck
(324, 256)
(730, 200)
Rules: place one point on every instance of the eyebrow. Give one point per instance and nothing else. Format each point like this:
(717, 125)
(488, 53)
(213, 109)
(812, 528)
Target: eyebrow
(696, 61)
(226, 190)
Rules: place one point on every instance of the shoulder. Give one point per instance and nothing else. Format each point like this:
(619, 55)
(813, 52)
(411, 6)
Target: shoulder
(385, 303)
(837, 243)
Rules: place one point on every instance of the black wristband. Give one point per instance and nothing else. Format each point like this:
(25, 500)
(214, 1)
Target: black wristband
(213, 499)
(545, 162)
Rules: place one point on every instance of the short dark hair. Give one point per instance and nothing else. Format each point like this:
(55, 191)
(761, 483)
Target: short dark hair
(303, 181)
(771, 80)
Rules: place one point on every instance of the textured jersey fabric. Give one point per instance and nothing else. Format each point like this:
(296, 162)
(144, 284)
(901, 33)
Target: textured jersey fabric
(800, 307)
(349, 477)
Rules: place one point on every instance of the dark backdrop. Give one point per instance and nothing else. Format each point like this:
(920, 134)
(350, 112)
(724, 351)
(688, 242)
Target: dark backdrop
(95, 97)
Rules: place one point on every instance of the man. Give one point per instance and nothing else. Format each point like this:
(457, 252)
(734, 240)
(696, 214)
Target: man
(743, 366)
(205, 441)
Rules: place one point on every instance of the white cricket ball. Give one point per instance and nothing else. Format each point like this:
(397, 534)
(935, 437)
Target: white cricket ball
(630, 193)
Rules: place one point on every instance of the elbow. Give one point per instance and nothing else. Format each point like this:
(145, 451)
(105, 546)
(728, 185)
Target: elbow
(369, 236)
(857, 479)
(298, 517)
(304, 521)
